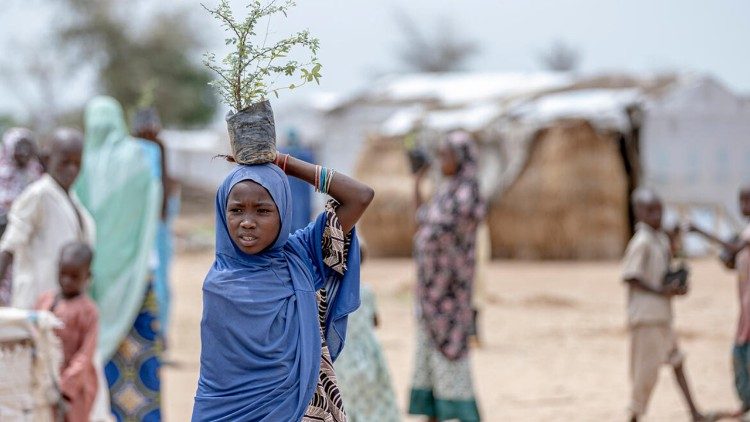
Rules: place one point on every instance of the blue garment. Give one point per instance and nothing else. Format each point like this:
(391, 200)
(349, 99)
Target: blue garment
(260, 336)
(165, 252)
(133, 372)
(741, 366)
(301, 191)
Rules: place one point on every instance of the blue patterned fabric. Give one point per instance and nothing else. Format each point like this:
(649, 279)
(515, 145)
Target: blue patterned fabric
(133, 372)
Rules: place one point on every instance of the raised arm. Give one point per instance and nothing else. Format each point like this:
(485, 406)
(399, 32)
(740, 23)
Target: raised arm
(418, 178)
(353, 196)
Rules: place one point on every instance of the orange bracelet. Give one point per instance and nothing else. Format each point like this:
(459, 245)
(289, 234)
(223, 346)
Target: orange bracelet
(286, 158)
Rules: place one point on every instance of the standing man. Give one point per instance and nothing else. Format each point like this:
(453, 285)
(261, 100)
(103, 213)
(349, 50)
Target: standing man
(46, 217)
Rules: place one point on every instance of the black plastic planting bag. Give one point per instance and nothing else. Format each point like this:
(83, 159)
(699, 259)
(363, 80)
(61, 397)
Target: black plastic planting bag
(418, 159)
(252, 134)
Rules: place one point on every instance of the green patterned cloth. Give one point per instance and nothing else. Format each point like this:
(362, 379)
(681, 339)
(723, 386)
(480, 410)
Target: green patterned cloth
(361, 369)
(441, 388)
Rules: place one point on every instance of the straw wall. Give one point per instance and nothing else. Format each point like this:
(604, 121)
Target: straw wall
(570, 202)
(388, 225)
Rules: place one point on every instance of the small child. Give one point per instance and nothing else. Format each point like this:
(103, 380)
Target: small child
(361, 368)
(78, 381)
(737, 257)
(653, 341)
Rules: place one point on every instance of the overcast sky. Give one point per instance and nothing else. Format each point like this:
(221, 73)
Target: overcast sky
(358, 37)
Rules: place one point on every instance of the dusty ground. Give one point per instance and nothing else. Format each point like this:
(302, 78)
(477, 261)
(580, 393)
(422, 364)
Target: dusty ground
(554, 343)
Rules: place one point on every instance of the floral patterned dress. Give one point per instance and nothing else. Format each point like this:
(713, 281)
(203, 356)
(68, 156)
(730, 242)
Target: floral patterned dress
(445, 253)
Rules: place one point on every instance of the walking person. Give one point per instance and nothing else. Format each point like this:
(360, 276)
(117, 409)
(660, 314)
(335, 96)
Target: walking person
(444, 249)
(653, 340)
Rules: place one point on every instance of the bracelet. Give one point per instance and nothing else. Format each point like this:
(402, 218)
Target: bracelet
(323, 179)
(283, 167)
(317, 177)
(329, 179)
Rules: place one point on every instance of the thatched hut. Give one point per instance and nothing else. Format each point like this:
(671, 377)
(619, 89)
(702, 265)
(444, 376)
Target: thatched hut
(570, 200)
(388, 225)
(557, 171)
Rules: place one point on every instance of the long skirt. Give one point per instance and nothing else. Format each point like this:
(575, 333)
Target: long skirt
(441, 388)
(133, 372)
(362, 371)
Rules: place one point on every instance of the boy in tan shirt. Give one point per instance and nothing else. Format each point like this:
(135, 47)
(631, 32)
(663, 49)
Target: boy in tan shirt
(653, 341)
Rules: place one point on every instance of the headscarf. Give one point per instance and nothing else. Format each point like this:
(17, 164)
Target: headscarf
(119, 187)
(260, 336)
(445, 250)
(13, 180)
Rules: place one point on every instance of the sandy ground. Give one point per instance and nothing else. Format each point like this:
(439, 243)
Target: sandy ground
(554, 340)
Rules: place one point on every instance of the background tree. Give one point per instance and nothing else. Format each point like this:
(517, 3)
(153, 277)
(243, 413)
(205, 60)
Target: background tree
(158, 54)
(560, 57)
(441, 50)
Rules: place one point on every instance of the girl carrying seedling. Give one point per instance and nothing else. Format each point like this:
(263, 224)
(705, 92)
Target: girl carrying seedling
(275, 305)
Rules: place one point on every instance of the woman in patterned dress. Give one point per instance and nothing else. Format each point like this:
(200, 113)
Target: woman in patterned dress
(444, 249)
(264, 354)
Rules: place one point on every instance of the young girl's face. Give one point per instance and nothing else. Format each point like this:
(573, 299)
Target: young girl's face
(252, 217)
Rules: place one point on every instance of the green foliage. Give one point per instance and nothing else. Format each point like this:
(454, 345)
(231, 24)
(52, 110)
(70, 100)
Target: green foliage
(251, 71)
(155, 66)
(6, 122)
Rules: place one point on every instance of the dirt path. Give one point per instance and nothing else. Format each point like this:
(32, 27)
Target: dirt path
(554, 340)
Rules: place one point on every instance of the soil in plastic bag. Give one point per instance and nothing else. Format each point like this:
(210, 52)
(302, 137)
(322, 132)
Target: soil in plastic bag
(252, 134)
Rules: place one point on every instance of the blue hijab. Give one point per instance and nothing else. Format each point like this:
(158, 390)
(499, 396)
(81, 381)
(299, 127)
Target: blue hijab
(260, 336)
